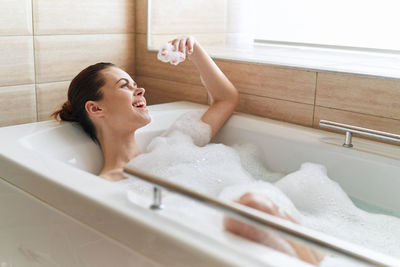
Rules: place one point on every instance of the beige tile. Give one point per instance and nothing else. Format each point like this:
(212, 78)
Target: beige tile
(16, 64)
(15, 17)
(195, 16)
(371, 96)
(17, 104)
(50, 97)
(276, 109)
(255, 79)
(141, 16)
(275, 82)
(357, 119)
(60, 58)
(83, 16)
(162, 91)
(148, 65)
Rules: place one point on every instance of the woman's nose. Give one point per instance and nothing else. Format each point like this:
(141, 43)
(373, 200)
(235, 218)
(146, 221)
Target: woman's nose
(139, 91)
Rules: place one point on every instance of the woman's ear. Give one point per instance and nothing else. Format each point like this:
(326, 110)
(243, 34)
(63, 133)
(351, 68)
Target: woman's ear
(93, 109)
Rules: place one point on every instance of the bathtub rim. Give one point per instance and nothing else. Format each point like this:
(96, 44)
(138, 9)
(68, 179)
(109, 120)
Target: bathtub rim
(35, 176)
(25, 180)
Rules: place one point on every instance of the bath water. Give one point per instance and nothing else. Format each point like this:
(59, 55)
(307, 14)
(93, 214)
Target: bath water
(183, 156)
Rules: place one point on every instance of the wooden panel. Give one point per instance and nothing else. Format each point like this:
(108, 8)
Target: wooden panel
(16, 60)
(83, 16)
(148, 65)
(61, 57)
(163, 91)
(195, 16)
(276, 109)
(274, 82)
(371, 96)
(357, 119)
(141, 16)
(15, 17)
(17, 104)
(50, 96)
(256, 79)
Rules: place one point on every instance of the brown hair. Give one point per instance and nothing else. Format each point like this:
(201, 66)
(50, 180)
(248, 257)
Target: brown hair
(84, 87)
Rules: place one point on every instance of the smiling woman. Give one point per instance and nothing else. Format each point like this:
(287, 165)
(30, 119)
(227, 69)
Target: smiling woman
(110, 106)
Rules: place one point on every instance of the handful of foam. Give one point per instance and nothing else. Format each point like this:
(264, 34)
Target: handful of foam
(166, 54)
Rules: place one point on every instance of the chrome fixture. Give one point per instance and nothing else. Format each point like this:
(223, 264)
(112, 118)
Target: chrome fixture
(157, 205)
(255, 217)
(350, 129)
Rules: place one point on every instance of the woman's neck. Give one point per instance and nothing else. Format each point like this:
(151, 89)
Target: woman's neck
(118, 149)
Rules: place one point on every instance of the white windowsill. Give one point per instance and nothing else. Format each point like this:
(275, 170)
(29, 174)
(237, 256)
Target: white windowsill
(371, 64)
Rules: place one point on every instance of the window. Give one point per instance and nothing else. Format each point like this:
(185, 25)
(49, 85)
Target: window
(366, 24)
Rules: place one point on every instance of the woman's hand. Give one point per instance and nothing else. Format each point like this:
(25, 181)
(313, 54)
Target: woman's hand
(184, 44)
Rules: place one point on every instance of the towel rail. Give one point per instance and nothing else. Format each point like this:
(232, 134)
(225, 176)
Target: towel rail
(260, 219)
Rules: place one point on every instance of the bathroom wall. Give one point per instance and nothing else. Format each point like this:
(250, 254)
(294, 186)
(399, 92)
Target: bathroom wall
(45, 43)
(288, 94)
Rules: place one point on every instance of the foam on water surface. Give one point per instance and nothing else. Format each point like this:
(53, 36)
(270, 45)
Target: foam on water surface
(182, 155)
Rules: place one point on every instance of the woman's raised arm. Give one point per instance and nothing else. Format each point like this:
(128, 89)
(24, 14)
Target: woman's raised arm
(225, 97)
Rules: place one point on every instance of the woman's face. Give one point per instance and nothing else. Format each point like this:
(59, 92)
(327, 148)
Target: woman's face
(123, 104)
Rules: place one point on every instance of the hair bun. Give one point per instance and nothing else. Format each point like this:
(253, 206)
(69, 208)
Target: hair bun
(66, 112)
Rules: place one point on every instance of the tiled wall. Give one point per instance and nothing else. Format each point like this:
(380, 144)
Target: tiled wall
(45, 43)
(293, 95)
(209, 21)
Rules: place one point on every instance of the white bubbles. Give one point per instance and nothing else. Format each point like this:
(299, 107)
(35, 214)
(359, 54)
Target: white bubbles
(177, 156)
(166, 53)
(327, 208)
(181, 155)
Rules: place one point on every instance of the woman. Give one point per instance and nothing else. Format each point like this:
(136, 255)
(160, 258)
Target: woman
(110, 107)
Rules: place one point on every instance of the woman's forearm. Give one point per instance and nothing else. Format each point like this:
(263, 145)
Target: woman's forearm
(218, 85)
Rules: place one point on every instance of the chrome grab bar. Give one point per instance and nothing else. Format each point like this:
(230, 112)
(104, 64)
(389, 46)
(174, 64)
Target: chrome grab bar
(350, 129)
(260, 219)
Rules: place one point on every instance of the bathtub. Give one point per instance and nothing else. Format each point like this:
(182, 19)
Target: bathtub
(55, 211)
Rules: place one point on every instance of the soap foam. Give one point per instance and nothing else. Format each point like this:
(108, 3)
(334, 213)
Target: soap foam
(166, 54)
(327, 208)
(308, 195)
(178, 156)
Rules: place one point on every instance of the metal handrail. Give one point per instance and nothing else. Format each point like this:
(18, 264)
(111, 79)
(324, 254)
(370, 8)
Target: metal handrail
(349, 129)
(262, 219)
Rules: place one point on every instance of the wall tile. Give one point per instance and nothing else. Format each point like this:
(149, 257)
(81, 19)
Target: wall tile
(195, 16)
(162, 91)
(276, 109)
(17, 104)
(15, 17)
(83, 16)
(50, 96)
(60, 58)
(16, 64)
(371, 96)
(357, 119)
(141, 16)
(264, 80)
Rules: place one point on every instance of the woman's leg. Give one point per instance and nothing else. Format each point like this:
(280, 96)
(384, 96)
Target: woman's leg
(267, 238)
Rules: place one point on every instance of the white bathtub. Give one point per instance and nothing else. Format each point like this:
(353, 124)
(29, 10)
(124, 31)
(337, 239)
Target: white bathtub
(53, 208)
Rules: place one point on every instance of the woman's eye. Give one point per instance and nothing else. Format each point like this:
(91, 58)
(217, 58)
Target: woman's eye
(125, 85)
